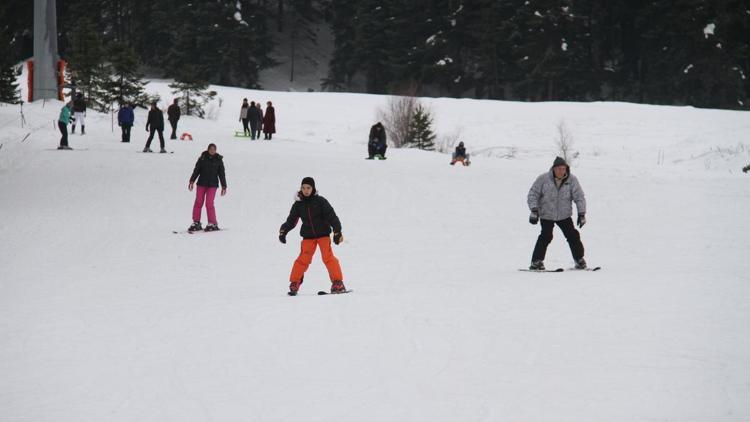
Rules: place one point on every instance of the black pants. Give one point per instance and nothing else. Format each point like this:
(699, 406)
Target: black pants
(245, 127)
(151, 137)
(174, 129)
(126, 132)
(376, 149)
(268, 135)
(254, 129)
(64, 131)
(570, 232)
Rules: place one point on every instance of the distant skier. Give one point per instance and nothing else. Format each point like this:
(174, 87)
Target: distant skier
(550, 199)
(173, 114)
(244, 118)
(256, 119)
(376, 144)
(269, 121)
(125, 119)
(79, 109)
(318, 218)
(155, 124)
(209, 171)
(460, 155)
(62, 124)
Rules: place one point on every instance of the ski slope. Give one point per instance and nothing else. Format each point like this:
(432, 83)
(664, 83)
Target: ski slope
(106, 315)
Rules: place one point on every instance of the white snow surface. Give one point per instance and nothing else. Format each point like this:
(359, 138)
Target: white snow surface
(106, 315)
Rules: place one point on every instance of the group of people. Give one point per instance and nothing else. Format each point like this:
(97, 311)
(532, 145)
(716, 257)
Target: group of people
(254, 120)
(72, 112)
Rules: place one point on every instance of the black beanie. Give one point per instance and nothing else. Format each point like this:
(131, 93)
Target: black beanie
(559, 161)
(309, 181)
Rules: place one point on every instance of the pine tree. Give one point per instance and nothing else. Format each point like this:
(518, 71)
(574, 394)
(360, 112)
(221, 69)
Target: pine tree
(124, 82)
(421, 135)
(8, 74)
(87, 71)
(195, 96)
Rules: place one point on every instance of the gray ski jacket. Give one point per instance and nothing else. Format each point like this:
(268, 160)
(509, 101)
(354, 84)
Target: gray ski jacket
(553, 203)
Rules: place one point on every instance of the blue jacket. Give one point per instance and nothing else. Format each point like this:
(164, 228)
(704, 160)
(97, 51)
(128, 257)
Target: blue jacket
(126, 116)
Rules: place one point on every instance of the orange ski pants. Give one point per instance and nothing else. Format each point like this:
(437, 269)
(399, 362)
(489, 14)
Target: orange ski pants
(306, 255)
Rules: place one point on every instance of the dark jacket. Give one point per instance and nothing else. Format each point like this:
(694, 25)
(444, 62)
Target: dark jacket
(79, 105)
(460, 151)
(318, 217)
(173, 112)
(209, 170)
(254, 115)
(126, 116)
(377, 136)
(269, 120)
(155, 120)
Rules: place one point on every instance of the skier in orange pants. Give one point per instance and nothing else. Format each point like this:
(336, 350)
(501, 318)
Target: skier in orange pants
(318, 221)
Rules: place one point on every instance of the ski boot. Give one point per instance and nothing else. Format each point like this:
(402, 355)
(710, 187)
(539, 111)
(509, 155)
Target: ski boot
(537, 265)
(211, 228)
(147, 149)
(195, 227)
(294, 287)
(338, 287)
(580, 264)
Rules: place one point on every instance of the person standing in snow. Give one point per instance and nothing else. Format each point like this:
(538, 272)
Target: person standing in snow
(460, 155)
(269, 121)
(318, 218)
(260, 123)
(155, 123)
(62, 124)
(79, 109)
(376, 142)
(173, 114)
(125, 119)
(244, 116)
(550, 200)
(256, 119)
(209, 171)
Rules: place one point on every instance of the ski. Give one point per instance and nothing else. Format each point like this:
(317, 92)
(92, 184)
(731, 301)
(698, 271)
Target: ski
(585, 269)
(323, 292)
(557, 270)
(196, 231)
(155, 152)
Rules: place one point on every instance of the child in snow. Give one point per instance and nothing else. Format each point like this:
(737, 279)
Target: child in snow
(460, 155)
(62, 124)
(550, 198)
(125, 119)
(318, 218)
(209, 171)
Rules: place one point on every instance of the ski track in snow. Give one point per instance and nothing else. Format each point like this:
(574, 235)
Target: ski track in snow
(107, 315)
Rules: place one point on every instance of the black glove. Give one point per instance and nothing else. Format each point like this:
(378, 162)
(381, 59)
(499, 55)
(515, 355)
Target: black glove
(338, 238)
(581, 220)
(534, 216)
(282, 237)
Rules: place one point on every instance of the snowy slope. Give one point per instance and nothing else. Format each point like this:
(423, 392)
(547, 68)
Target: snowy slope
(107, 315)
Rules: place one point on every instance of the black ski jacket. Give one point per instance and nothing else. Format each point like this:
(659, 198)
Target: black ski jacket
(79, 105)
(209, 170)
(173, 112)
(317, 215)
(377, 136)
(254, 115)
(155, 120)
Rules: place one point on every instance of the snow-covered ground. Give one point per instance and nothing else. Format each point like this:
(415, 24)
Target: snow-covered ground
(106, 315)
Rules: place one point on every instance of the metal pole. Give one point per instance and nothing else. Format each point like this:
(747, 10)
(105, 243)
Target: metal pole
(45, 49)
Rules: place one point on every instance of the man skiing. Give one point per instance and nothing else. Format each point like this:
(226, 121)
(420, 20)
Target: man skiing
(376, 144)
(209, 171)
(550, 200)
(460, 155)
(62, 124)
(125, 119)
(173, 114)
(155, 123)
(318, 218)
(79, 110)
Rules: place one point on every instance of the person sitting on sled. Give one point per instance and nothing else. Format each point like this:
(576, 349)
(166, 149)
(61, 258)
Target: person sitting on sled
(318, 218)
(376, 143)
(460, 155)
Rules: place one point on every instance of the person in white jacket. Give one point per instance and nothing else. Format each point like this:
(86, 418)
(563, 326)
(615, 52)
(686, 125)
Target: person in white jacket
(550, 200)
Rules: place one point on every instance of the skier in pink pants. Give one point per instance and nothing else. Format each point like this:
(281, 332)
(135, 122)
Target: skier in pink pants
(209, 171)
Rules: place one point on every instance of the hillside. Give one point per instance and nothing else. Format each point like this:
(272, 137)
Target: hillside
(105, 314)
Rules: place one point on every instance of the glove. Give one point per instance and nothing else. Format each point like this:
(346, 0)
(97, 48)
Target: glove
(282, 237)
(581, 220)
(534, 216)
(338, 238)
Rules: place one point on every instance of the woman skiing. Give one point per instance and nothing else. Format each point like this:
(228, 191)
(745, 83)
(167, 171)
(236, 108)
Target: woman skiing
(318, 218)
(209, 171)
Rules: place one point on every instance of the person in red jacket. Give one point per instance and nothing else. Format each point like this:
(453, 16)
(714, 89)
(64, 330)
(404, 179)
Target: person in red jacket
(269, 121)
(318, 219)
